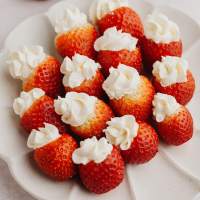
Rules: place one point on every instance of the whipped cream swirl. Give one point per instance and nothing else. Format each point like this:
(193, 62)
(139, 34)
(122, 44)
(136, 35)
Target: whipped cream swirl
(170, 70)
(92, 149)
(100, 8)
(68, 19)
(160, 29)
(23, 61)
(75, 108)
(77, 70)
(43, 136)
(115, 40)
(26, 99)
(122, 81)
(163, 106)
(121, 131)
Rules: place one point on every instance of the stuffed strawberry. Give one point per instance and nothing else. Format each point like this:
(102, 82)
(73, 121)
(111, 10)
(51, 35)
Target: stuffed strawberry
(162, 38)
(86, 115)
(74, 33)
(173, 121)
(109, 13)
(82, 74)
(172, 76)
(138, 141)
(36, 70)
(101, 166)
(53, 152)
(129, 92)
(35, 108)
(115, 47)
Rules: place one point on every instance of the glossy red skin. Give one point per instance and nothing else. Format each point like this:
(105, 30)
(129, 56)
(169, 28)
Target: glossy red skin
(140, 105)
(109, 59)
(176, 129)
(153, 52)
(183, 92)
(92, 87)
(144, 146)
(46, 76)
(79, 40)
(105, 176)
(125, 19)
(40, 112)
(95, 125)
(55, 158)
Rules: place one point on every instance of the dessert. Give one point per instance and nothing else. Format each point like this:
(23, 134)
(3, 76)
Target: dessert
(74, 33)
(82, 74)
(86, 115)
(108, 141)
(138, 141)
(36, 69)
(100, 165)
(129, 92)
(172, 76)
(53, 152)
(109, 13)
(115, 47)
(161, 38)
(173, 121)
(34, 108)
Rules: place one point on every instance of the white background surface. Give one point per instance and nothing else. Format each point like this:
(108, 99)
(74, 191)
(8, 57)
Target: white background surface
(13, 12)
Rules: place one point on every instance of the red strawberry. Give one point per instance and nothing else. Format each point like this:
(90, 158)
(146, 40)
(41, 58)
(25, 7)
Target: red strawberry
(92, 87)
(154, 51)
(183, 92)
(82, 75)
(139, 104)
(144, 146)
(177, 128)
(105, 176)
(78, 40)
(55, 158)
(95, 125)
(125, 19)
(46, 76)
(109, 59)
(42, 110)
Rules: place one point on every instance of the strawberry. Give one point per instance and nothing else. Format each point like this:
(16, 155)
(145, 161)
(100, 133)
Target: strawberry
(139, 104)
(92, 87)
(143, 147)
(183, 92)
(177, 128)
(77, 40)
(138, 141)
(95, 125)
(42, 110)
(46, 76)
(86, 115)
(173, 121)
(109, 59)
(55, 158)
(82, 74)
(153, 51)
(104, 176)
(125, 19)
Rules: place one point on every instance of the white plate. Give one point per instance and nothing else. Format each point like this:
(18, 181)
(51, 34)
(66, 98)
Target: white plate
(173, 174)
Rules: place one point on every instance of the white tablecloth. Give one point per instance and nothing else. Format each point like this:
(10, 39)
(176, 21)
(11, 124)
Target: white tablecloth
(13, 12)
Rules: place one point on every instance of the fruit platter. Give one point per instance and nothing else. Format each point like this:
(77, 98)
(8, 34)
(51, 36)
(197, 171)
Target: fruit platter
(100, 100)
